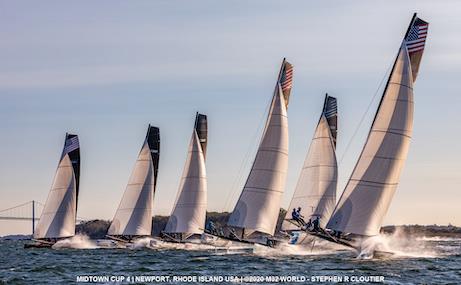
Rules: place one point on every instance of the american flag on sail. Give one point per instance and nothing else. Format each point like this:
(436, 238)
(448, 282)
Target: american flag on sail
(71, 144)
(286, 78)
(416, 38)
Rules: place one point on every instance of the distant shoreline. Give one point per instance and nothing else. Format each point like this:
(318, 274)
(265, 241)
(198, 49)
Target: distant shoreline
(97, 229)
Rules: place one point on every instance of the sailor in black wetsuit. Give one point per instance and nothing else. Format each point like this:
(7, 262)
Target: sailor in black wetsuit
(300, 217)
(294, 215)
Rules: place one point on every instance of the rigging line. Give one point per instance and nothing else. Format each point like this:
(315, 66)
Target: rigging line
(12, 208)
(250, 150)
(364, 115)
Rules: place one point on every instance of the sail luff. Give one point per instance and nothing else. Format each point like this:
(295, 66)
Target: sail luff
(134, 213)
(189, 211)
(60, 211)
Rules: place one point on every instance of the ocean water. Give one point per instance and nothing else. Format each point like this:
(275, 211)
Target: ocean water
(434, 260)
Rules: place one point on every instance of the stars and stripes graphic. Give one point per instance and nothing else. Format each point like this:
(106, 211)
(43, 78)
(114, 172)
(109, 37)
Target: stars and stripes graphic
(416, 38)
(286, 80)
(71, 144)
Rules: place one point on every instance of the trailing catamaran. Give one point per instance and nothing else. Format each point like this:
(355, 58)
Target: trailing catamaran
(59, 214)
(315, 194)
(255, 215)
(189, 213)
(133, 218)
(369, 191)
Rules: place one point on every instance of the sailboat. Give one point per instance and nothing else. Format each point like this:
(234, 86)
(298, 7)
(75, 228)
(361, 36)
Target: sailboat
(315, 192)
(364, 203)
(133, 218)
(255, 215)
(189, 212)
(59, 214)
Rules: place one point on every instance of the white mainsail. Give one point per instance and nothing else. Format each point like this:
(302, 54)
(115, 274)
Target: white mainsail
(60, 211)
(368, 194)
(315, 192)
(258, 206)
(134, 214)
(189, 212)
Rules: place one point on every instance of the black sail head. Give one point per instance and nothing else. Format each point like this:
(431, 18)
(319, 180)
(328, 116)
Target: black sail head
(153, 140)
(201, 127)
(330, 111)
(72, 148)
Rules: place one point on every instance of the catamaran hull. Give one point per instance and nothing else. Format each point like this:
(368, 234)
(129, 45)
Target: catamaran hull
(351, 243)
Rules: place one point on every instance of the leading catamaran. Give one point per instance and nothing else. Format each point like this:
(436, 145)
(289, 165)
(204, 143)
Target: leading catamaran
(59, 214)
(314, 198)
(133, 218)
(369, 191)
(189, 213)
(255, 215)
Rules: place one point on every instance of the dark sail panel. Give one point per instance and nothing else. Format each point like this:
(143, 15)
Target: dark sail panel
(72, 148)
(330, 110)
(201, 127)
(153, 140)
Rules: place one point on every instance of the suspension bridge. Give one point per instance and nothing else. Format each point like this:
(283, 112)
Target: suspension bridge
(28, 211)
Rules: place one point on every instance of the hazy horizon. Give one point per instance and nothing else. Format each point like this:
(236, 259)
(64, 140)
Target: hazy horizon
(105, 70)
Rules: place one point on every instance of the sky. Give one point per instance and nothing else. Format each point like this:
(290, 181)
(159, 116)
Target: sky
(106, 69)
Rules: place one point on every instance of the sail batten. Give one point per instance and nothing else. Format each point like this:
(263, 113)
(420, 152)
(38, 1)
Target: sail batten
(134, 214)
(189, 211)
(367, 196)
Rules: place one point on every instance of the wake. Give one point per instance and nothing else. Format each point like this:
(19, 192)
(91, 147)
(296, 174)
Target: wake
(76, 242)
(400, 245)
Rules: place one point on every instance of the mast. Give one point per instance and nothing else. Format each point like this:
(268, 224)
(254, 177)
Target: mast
(60, 211)
(258, 206)
(189, 212)
(370, 189)
(315, 191)
(134, 213)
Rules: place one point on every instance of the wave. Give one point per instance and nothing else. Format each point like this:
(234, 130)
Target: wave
(76, 242)
(397, 245)
(438, 238)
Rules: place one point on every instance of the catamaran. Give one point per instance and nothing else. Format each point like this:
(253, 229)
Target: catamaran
(187, 219)
(314, 198)
(133, 218)
(362, 206)
(59, 214)
(255, 215)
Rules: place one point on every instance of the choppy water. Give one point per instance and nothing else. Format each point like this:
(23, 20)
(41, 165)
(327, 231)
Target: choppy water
(419, 261)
